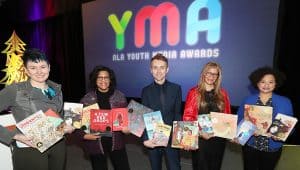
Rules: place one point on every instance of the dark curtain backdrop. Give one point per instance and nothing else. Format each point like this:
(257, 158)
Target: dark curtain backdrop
(60, 35)
(286, 54)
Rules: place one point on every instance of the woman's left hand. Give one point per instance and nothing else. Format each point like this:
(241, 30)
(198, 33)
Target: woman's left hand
(125, 130)
(68, 128)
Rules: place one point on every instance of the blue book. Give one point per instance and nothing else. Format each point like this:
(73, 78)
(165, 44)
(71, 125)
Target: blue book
(151, 119)
(245, 130)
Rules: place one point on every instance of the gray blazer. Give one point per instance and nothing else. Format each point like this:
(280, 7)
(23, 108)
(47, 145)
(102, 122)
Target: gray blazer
(23, 100)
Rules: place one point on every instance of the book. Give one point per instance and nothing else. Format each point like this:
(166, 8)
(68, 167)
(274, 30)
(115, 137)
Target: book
(185, 134)
(161, 134)
(135, 117)
(261, 116)
(282, 126)
(151, 119)
(43, 132)
(8, 121)
(119, 118)
(53, 117)
(245, 130)
(73, 113)
(205, 123)
(101, 121)
(85, 119)
(224, 125)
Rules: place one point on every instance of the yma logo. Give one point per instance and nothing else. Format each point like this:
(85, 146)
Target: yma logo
(155, 14)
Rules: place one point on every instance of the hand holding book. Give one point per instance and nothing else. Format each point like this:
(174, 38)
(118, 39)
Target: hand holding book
(91, 136)
(24, 139)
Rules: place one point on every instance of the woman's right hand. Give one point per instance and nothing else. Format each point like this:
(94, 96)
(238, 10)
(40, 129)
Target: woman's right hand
(91, 136)
(24, 139)
(206, 136)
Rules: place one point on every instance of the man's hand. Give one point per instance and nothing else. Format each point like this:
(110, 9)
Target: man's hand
(150, 144)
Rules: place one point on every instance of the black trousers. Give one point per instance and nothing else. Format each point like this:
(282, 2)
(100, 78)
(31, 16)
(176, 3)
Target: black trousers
(209, 156)
(260, 160)
(172, 157)
(118, 158)
(30, 158)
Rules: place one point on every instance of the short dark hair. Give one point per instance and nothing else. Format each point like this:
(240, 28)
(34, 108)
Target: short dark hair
(159, 56)
(94, 75)
(259, 73)
(34, 55)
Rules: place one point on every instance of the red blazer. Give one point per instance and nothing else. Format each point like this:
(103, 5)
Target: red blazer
(191, 109)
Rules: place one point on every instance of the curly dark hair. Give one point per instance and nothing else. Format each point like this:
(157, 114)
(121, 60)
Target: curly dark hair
(259, 73)
(34, 55)
(94, 74)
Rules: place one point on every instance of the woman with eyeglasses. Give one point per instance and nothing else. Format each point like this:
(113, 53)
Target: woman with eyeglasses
(111, 145)
(208, 96)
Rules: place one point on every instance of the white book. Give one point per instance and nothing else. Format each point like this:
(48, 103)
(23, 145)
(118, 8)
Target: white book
(43, 132)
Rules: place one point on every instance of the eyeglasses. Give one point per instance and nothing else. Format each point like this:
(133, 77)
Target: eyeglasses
(103, 78)
(211, 74)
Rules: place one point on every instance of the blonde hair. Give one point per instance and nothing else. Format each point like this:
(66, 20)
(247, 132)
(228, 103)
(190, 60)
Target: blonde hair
(217, 87)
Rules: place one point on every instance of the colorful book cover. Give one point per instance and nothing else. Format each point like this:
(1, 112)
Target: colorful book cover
(261, 116)
(135, 117)
(282, 126)
(119, 118)
(185, 134)
(101, 121)
(161, 134)
(73, 113)
(85, 119)
(245, 130)
(53, 117)
(224, 125)
(44, 134)
(151, 119)
(205, 123)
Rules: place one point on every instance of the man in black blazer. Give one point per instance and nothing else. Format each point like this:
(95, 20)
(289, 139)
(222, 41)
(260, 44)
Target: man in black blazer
(164, 96)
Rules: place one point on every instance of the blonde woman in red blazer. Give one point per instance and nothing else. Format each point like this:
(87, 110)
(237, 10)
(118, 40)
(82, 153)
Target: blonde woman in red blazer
(206, 97)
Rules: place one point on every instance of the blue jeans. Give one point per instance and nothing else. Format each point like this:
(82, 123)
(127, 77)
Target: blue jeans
(172, 156)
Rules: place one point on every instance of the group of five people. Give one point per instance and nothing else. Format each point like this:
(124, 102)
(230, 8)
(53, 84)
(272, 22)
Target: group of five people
(207, 96)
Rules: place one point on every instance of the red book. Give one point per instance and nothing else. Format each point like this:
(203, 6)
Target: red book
(119, 118)
(101, 121)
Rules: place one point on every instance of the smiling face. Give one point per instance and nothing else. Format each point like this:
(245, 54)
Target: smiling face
(210, 76)
(103, 81)
(159, 70)
(37, 71)
(267, 84)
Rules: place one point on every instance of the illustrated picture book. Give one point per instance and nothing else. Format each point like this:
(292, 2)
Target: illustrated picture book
(119, 118)
(135, 117)
(43, 132)
(161, 134)
(85, 119)
(282, 126)
(245, 130)
(185, 134)
(73, 113)
(106, 121)
(261, 116)
(205, 123)
(101, 121)
(151, 119)
(224, 125)
(53, 117)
